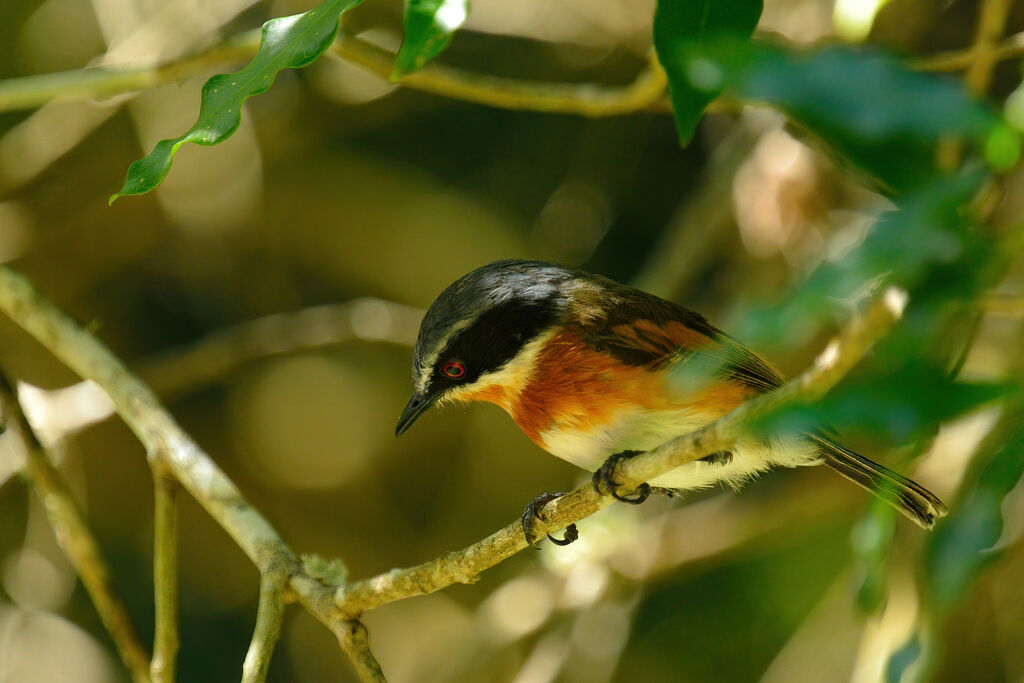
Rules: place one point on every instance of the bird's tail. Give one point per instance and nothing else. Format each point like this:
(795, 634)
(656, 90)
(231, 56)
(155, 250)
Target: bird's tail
(913, 500)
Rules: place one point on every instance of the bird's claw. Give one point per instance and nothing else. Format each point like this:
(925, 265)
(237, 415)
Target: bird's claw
(533, 511)
(604, 484)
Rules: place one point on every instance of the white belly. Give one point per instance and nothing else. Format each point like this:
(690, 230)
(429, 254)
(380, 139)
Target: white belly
(643, 430)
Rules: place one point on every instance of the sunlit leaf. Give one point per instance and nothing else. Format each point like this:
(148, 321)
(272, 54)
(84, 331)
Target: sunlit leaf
(287, 43)
(428, 27)
(684, 27)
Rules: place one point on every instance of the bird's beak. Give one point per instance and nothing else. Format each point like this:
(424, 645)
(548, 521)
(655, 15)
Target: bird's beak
(413, 409)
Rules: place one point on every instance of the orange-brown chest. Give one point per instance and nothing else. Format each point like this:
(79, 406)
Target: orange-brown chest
(574, 387)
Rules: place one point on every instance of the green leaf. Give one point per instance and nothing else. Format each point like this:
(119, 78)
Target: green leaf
(873, 111)
(924, 234)
(428, 27)
(684, 27)
(287, 43)
(898, 405)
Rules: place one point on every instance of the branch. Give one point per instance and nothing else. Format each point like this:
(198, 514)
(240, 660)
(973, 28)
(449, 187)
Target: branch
(985, 53)
(464, 566)
(269, 615)
(960, 60)
(218, 354)
(172, 374)
(165, 577)
(1004, 304)
(587, 99)
(356, 642)
(169, 448)
(74, 537)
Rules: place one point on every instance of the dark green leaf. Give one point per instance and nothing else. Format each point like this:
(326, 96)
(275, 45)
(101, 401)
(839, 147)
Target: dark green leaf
(287, 43)
(685, 27)
(878, 114)
(428, 27)
(898, 405)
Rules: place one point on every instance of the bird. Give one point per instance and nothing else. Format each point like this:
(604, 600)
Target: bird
(594, 372)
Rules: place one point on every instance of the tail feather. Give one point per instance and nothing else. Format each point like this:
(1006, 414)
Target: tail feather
(910, 498)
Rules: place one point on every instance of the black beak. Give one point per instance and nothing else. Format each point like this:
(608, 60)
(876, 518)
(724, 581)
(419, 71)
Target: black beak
(413, 409)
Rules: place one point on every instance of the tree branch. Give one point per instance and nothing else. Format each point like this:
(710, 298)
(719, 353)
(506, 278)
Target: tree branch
(74, 537)
(178, 371)
(337, 607)
(464, 566)
(960, 60)
(985, 53)
(168, 446)
(269, 615)
(356, 642)
(165, 577)
(586, 99)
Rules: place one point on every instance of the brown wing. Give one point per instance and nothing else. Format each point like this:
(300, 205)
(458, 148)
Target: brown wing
(642, 329)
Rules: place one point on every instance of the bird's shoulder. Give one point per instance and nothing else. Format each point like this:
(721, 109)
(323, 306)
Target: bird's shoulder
(641, 329)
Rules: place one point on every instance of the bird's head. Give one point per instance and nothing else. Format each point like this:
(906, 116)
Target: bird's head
(475, 330)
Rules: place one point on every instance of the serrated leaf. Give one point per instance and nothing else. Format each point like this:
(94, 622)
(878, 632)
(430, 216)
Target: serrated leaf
(286, 43)
(684, 27)
(428, 27)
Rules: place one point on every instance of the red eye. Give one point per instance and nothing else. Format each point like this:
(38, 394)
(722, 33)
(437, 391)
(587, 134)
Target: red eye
(453, 369)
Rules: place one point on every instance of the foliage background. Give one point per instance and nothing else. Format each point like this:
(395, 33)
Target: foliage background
(340, 185)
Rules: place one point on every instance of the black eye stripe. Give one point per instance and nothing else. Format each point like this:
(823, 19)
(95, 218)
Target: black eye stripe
(496, 337)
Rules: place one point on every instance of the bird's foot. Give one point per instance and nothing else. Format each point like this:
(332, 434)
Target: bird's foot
(534, 510)
(605, 485)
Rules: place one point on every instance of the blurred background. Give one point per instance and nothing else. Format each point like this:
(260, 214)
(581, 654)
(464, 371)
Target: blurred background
(341, 187)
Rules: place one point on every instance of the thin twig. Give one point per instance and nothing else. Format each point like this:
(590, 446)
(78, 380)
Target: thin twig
(165, 577)
(181, 370)
(74, 537)
(29, 92)
(218, 354)
(356, 642)
(586, 99)
(1004, 304)
(985, 54)
(269, 616)
(959, 60)
(464, 566)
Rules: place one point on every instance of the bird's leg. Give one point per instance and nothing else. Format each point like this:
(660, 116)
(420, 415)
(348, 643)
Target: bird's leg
(605, 485)
(534, 511)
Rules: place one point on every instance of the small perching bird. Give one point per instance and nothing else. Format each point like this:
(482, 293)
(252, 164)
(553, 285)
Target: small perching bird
(594, 371)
